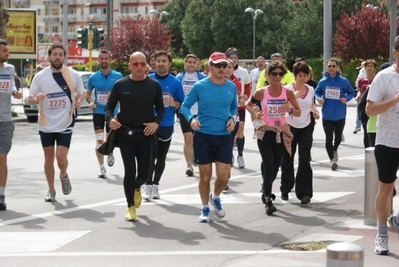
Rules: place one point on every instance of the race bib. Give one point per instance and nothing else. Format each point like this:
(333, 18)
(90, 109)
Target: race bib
(4, 83)
(333, 92)
(57, 100)
(275, 108)
(187, 86)
(102, 97)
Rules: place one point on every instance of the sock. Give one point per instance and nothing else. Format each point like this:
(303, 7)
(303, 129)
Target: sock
(240, 145)
(189, 165)
(205, 206)
(2, 189)
(101, 166)
(214, 196)
(382, 229)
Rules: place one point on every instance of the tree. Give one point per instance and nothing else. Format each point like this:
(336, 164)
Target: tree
(362, 35)
(144, 34)
(3, 21)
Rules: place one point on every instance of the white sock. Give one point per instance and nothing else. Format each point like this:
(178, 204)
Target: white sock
(2, 189)
(214, 196)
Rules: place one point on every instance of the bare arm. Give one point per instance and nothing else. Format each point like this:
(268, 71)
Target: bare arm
(375, 108)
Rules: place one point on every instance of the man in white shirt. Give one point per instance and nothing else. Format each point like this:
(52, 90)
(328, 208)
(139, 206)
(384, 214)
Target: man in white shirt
(255, 73)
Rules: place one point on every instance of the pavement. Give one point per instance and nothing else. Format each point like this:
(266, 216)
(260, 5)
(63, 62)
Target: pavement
(346, 230)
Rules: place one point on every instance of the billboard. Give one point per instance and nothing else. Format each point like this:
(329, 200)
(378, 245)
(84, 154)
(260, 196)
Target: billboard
(21, 33)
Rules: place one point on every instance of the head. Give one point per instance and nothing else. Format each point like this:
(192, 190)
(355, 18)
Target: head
(310, 77)
(332, 67)
(190, 63)
(275, 72)
(260, 62)
(232, 53)
(4, 51)
(218, 64)
(104, 58)
(370, 65)
(229, 70)
(276, 57)
(301, 72)
(56, 56)
(137, 66)
(198, 65)
(384, 66)
(175, 71)
(207, 67)
(163, 60)
(39, 68)
(152, 63)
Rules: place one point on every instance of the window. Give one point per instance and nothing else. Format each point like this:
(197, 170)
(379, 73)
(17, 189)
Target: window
(146, 10)
(54, 29)
(38, 12)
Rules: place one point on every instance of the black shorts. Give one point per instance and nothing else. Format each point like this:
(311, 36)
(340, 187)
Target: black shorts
(185, 126)
(62, 139)
(387, 159)
(210, 148)
(241, 113)
(99, 122)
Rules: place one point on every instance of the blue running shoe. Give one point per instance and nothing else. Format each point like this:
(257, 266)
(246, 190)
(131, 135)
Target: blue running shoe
(218, 206)
(392, 223)
(204, 217)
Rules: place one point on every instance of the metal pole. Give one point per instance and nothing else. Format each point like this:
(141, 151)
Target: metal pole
(253, 52)
(370, 187)
(65, 29)
(327, 47)
(345, 255)
(109, 10)
(392, 31)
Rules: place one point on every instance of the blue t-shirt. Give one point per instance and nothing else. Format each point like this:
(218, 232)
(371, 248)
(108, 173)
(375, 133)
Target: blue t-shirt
(174, 87)
(102, 85)
(216, 105)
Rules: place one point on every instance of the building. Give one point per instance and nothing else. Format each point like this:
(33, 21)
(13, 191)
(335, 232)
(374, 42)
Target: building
(81, 13)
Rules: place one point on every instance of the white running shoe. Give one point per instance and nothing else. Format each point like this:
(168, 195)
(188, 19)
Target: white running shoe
(155, 192)
(102, 173)
(241, 163)
(381, 245)
(147, 193)
(111, 160)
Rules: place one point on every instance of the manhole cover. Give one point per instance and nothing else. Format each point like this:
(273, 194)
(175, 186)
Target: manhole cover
(308, 246)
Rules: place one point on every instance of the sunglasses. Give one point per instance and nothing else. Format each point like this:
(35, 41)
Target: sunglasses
(281, 74)
(331, 66)
(220, 65)
(141, 64)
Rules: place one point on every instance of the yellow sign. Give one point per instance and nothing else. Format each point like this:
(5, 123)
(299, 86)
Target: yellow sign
(21, 31)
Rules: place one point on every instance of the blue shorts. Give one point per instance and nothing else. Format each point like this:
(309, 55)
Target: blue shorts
(49, 139)
(210, 148)
(387, 159)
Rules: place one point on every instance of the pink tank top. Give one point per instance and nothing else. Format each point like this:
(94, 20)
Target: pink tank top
(272, 107)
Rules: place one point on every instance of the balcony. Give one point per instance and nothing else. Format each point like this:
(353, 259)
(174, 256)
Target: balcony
(51, 2)
(51, 18)
(97, 17)
(94, 2)
(21, 2)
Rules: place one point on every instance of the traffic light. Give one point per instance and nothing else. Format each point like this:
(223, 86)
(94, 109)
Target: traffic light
(98, 38)
(83, 37)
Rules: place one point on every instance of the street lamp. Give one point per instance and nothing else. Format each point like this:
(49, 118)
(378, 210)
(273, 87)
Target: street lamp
(154, 12)
(254, 15)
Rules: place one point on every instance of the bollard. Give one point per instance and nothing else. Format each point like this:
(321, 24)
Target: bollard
(370, 186)
(345, 255)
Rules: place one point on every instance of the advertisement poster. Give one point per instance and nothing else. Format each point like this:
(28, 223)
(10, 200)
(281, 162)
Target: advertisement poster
(21, 33)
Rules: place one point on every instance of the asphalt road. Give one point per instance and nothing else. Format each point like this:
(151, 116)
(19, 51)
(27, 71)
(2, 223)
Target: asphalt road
(87, 227)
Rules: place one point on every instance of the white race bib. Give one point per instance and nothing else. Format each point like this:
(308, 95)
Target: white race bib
(333, 92)
(102, 97)
(4, 84)
(57, 100)
(275, 108)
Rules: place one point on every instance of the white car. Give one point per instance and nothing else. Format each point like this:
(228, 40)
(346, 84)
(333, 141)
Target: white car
(31, 111)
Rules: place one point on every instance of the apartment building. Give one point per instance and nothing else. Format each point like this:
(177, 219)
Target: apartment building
(81, 13)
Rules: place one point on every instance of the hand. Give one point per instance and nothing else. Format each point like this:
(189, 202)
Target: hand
(230, 125)
(92, 106)
(343, 100)
(241, 100)
(259, 115)
(114, 123)
(321, 101)
(40, 97)
(17, 94)
(316, 115)
(77, 102)
(286, 108)
(195, 124)
(170, 101)
(298, 94)
(150, 128)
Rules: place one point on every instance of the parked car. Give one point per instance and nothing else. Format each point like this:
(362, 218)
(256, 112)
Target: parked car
(31, 111)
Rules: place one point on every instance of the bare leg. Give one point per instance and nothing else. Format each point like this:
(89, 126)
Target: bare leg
(383, 202)
(188, 148)
(49, 157)
(222, 176)
(62, 153)
(204, 186)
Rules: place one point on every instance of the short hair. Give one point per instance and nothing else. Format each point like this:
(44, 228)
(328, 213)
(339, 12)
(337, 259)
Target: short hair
(370, 61)
(396, 43)
(301, 66)
(260, 57)
(276, 65)
(333, 60)
(3, 42)
(276, 55)
(163, 53)
(231, 51)
(54, 46)
(106, 52)
(206, 63)
(230, 62)
(190, 56)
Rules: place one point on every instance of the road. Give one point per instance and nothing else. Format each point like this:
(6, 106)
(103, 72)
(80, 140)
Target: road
(87, 227)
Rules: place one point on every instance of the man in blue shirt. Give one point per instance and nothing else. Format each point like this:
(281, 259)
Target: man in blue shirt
(217, 107)
(102, 82)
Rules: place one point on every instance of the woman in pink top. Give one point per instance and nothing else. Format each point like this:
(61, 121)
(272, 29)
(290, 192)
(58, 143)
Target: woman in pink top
(275, 134)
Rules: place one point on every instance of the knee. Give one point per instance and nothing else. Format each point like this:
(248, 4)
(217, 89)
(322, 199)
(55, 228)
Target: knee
(61, 160)
(188, 139)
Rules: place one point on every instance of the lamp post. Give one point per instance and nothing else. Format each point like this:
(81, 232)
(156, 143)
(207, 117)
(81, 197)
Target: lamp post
(163, 13)
(254, 15)
(109, 25)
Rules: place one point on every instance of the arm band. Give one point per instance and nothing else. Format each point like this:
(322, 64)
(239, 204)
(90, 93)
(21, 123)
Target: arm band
(253, 100)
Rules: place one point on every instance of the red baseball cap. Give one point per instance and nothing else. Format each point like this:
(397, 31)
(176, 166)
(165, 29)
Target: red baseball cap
(218, 57)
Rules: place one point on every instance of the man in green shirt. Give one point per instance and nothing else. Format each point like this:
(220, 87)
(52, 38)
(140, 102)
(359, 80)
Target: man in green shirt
(288, 78)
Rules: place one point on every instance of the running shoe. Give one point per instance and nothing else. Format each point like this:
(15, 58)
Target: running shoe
(189, 171)
(3, 205)
(227, 188)
(381, 245)
(217, 206)
(131, 214)
(155, 192)
(393, 224)
(66, 185)
(305, 199)
(102, 173)
(110, 160)
(137, 198)
(333, 165)
(50, 197)
(204, 217)
(241, 163)
(147, 192)
(270, 208)
(284, 196)
(356, 130)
